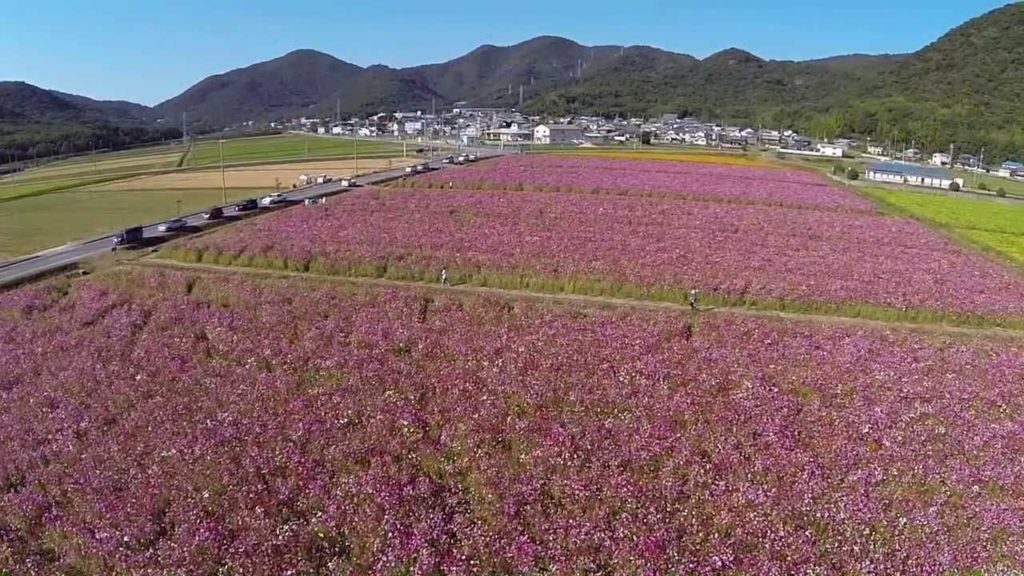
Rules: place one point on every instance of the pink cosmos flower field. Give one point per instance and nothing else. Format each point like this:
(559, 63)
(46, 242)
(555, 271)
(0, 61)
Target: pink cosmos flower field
(692, 180)
(726, 249)
(159, 422)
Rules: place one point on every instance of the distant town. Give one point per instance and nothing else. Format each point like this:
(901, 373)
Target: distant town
(895, 162)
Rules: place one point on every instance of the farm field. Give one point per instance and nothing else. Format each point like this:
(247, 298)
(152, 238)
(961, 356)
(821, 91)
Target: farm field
(32, 224)
(996, 225)
(645, 248)
(78, 172)
(993, 183)
(262, 176)
(86, 196)
(265, 149)
(701, 155)
(156, 419)
(86, 170)
(617, 176)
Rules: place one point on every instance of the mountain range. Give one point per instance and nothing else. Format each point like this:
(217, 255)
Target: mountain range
(964, 88)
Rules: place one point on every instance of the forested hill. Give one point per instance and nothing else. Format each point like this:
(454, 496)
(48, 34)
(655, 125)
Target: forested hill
(35, 123)
(965, 88)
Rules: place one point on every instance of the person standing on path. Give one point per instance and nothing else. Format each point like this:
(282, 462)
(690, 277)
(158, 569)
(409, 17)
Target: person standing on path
(444, 277)
(694, 294)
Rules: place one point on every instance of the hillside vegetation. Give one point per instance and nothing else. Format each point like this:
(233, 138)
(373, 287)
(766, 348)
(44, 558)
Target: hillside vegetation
(964, 89)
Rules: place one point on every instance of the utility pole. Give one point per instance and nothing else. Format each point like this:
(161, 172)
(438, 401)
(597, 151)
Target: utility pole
(184, 128)
(355, 156)
(980, 166)
(307, 145)
(223, 180)
(520, 96)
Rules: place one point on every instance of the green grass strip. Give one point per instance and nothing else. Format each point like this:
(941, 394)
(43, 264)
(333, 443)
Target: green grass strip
(588, 287)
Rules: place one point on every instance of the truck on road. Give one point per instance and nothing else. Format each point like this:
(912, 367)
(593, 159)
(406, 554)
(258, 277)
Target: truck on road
(129, 236)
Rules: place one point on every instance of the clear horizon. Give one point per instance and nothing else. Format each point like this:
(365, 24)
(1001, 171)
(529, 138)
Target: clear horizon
(120, 50)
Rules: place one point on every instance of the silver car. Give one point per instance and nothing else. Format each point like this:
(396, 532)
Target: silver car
(172, 225)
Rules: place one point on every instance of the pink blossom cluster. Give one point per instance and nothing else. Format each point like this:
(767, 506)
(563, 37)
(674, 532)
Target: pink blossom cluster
(731, 250)
(653, 177)
(163, 423)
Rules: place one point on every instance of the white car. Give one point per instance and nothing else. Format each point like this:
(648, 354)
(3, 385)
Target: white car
(472, 157)
(273, 199)
(410, 169)
(348, 182)
(172, 225)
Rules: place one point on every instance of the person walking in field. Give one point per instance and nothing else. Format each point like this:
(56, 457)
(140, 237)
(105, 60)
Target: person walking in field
(694, 295)
(444, 277)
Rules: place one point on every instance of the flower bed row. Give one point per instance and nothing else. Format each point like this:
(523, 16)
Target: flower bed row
(643, 178)
(156, 420)
(735, 253)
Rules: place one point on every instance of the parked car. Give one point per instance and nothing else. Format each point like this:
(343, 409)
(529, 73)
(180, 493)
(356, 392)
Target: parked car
(215, 213)
(410, 169)
(273, 199)
(129, 236)
(172, 225)
(472, 157)
(349, 182)
(462, 159)
(448, 159)
(246, 205)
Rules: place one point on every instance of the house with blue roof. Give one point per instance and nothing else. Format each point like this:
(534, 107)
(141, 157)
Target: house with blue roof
(1011, 169)
(912, 174)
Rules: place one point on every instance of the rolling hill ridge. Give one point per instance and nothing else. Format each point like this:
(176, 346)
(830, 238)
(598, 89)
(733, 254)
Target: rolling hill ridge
(964, 88)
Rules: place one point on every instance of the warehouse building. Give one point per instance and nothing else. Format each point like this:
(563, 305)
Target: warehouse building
(912, 174)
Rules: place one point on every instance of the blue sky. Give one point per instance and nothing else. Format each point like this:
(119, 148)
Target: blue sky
(150, 50)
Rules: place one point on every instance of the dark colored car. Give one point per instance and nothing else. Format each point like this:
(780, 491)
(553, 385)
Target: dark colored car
(128, 236)
(246, 205)
(215, 213)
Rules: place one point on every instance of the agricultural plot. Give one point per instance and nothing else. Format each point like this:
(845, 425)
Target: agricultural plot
(693, 181)
(701, 155)
(87, 170)
(263, 176)
(286, 147)
(996, 225)
(155, 420)
(625, 246)
(32, 224)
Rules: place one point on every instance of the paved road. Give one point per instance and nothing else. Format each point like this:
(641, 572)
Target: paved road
(56, 258)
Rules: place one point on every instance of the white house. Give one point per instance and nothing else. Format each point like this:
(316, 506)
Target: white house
(940, 159)
(557, 134)
(833, 150)
(876, 150)
(912, 174)
(508, 135)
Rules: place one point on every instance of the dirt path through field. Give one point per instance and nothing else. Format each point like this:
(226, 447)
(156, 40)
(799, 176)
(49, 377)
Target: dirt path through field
(600, 301)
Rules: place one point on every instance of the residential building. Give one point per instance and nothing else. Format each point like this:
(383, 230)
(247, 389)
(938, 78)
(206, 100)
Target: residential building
(877, 150)
(940, 159)
(557, 134)
(912, 174)
(1011, 169)
(967, 161)
(832, 150)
